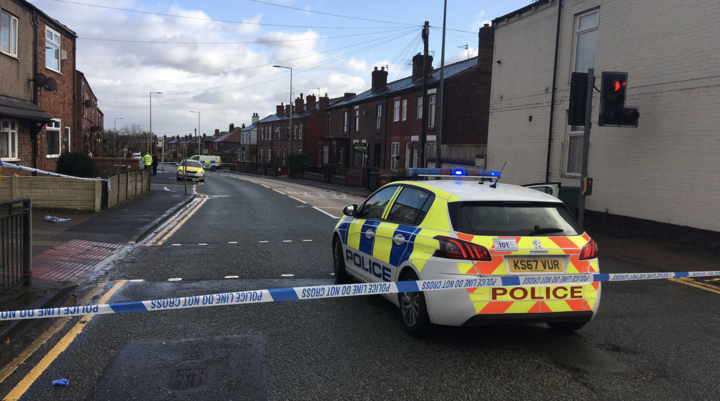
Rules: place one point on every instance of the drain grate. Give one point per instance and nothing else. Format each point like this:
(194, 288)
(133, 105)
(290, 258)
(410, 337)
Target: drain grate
(188, 379)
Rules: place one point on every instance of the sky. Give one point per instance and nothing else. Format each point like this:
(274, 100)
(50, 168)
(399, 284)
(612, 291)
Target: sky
(200, 55)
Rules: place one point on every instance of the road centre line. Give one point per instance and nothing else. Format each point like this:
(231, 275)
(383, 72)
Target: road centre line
(696, 284)
(324, 212)
(176, 244)
(175, 279)
(58, 349)
(202, 244)
(307, 240)
(287, 240)
(232, 276)
(287, 275)
(263, 242)
(42, 340)
(232, 242)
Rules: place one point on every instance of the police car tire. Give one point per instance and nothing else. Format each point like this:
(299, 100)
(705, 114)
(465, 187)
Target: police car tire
(213, 168)
(338, 262)
(566, 326)
(422, 326)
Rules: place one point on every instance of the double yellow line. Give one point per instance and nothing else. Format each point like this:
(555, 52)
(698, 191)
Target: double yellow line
(160, 238)
(58, 349)
(697, 284)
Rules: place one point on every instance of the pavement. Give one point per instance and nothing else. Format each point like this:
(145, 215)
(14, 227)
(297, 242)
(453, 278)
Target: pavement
(651, 340)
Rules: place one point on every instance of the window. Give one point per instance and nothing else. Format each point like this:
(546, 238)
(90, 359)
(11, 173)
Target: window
(586, 37)
(404, 110)
(431, 111)
(357, 120)
(513, 219)
(379, 117)
(325, 154)
(67, 140)
(410, 206)
(394, 153)
(8, 34)
(407, 155)
(300, 131)
(53, 138)
(52, 50)
(295, 131)
(396, 115)
(419, 108)
(345, 124)
(574, 150)
(8, 139)
(375, 206)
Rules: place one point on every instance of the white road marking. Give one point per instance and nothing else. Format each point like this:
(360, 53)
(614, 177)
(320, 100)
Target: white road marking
(232, 242)
(307, 240)
(265, 186)
(287, 240)
(137, 280)
(166, 188)
(278, 191)
(175, 279)
(332, 274)
(300, 206)
(202, 244)
(292, 197)
(287, 275)
(263, 242)
(232, 276)
(176, 244)
(324, 212)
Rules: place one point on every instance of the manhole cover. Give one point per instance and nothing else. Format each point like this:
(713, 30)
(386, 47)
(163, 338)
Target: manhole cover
(187, 379)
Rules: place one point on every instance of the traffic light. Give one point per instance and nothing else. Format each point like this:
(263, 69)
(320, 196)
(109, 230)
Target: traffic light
(578, 98)
(613, 112)
(587, 184)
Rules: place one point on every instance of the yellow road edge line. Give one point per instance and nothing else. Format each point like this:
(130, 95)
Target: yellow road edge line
(172, 224)
(40, 341)
(695, 284)
(58, 349)
(180, 224)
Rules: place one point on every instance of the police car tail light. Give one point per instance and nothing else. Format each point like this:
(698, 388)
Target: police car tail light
(453, 248)
(589, 251)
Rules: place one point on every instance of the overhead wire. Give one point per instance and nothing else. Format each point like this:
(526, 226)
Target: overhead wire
(368, 84)
(217, 20)
(246, 68)
(330, 14)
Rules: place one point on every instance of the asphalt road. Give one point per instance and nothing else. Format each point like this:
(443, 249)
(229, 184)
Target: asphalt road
(651, 340)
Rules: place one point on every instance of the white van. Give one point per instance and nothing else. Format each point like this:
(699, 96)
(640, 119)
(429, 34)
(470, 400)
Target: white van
(211, 163)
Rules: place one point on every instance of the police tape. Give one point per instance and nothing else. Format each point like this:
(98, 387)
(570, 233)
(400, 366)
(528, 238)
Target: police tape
(338, 291)
(35, 170)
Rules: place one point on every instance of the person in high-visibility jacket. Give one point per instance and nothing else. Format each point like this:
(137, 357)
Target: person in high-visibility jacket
(147, 161)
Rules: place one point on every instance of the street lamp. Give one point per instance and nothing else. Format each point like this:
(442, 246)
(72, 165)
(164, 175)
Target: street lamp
(115, 124)
(150, 143)
(198, 131)
(291, 111)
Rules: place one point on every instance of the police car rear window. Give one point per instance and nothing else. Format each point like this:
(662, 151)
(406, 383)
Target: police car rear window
(513, 219)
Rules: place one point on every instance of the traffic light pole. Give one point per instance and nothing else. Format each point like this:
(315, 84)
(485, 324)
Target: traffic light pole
(586, 143)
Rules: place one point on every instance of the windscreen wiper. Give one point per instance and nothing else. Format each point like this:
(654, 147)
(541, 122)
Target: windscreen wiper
(545, 230)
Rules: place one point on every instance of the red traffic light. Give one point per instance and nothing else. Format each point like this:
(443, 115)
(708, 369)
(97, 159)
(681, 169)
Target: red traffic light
(619, 85)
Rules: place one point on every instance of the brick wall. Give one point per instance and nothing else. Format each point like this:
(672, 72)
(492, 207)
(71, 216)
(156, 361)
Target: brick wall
(666, 169)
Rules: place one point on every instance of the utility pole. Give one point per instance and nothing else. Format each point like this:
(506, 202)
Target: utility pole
(441, 100)
(290, 114)
(423, 135)
(184, 161)
(586, 142)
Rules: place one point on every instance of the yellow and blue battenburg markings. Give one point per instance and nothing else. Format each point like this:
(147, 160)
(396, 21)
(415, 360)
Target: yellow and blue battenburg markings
(337, 291)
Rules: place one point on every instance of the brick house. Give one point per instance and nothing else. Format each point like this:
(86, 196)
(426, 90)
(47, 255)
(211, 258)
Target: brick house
(381, 127)
(248, 140)
(37, 71)
(223, 141)
(659, 178)
(89, 122)
(334, 144)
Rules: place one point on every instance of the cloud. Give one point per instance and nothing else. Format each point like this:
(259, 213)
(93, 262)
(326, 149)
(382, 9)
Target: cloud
(479, 21)
(462, 55)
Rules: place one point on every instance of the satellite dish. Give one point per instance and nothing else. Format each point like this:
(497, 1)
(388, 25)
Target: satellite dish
(88, 103)
(52, 85)
(40, 79)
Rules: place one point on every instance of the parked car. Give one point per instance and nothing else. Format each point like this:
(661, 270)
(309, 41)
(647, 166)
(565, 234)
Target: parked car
(137, 156)
(194, 170)
(211, 163)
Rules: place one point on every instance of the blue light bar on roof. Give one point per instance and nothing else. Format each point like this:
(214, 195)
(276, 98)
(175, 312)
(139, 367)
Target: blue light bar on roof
(456, 172)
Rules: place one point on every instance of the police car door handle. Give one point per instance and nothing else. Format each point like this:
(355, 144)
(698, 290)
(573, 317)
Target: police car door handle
(369, 234)
(399, 239)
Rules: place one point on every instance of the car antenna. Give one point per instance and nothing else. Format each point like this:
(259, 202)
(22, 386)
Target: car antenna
(498, 179)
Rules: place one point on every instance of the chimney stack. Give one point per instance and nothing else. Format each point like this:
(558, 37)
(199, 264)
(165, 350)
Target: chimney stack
(418, 66)
(346, 95)
(311, 102)
(379, 79)
(485, 48)
(279, 109)
(324, 102)
(299, 103)
(217, 133)
(255, 118)
(287, 109)
(232, 127)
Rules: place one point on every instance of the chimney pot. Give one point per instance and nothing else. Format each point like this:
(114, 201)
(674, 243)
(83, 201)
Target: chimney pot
(375, 68)
(379, 80)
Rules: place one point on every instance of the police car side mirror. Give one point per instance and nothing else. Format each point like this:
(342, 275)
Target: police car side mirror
(350, 210)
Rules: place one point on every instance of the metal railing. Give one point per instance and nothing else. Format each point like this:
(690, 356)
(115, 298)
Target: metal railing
(15, 243)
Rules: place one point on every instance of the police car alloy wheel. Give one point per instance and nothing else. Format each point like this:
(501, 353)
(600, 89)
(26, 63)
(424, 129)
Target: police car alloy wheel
(413, 310)
(339, 262)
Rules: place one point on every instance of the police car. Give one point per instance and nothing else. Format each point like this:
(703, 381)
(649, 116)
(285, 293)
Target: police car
(193, 168)
(462, 228)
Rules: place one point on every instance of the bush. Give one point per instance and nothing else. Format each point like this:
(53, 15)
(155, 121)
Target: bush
(294, 160)
(77, 164)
